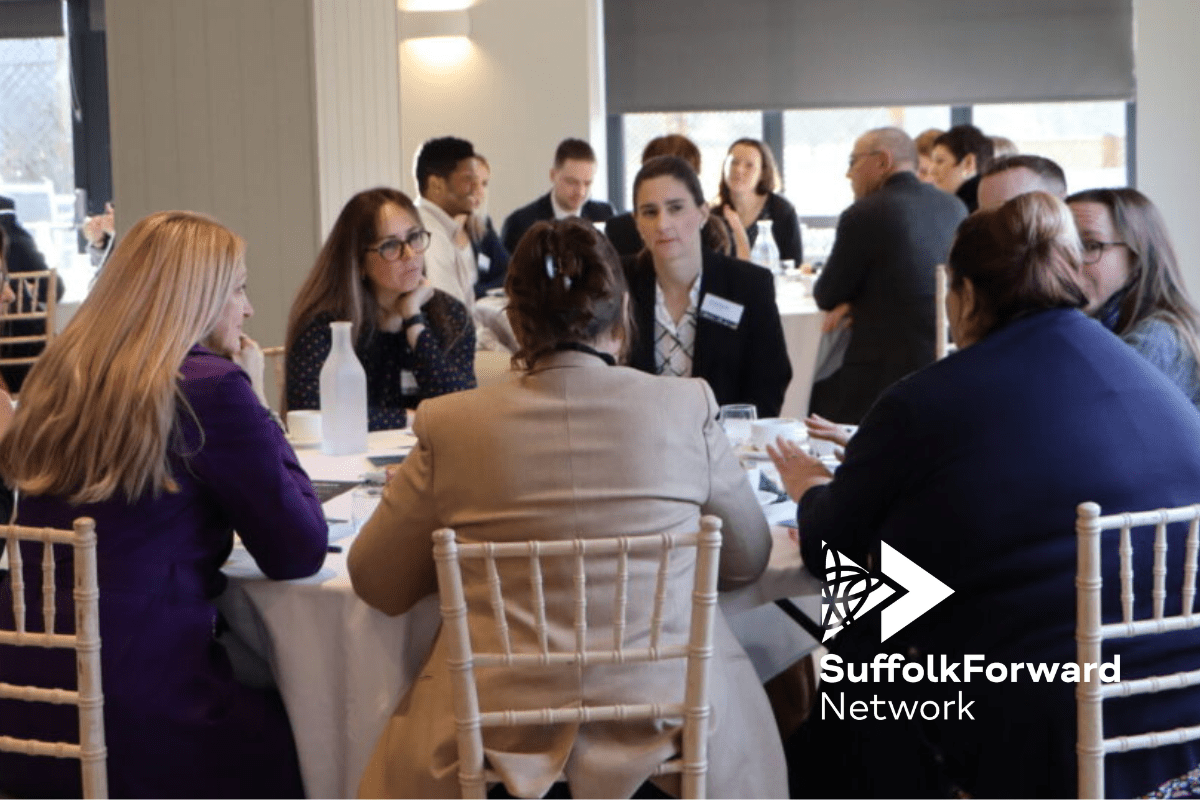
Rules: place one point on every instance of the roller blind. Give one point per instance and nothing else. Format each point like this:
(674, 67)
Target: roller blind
(690, 55)
(30, 19)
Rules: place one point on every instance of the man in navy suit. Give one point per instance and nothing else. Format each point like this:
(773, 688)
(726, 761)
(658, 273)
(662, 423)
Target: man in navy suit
(571, 182)
(881, 272)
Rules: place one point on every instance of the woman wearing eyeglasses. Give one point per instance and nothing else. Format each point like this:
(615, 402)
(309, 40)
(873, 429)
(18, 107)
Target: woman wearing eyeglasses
(1135, 286)
(414, 341)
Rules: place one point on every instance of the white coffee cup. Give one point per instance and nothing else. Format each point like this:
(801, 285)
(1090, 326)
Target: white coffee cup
(304, 426)
(765, 431)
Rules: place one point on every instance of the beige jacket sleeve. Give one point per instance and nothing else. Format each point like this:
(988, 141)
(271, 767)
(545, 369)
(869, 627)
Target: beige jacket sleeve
(391, 562)
(746, 537)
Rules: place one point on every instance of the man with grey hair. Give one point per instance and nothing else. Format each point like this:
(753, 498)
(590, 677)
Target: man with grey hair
(1007, 177)
(879, 278)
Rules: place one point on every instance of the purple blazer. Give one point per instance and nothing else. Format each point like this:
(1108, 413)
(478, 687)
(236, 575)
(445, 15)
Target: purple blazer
(176, 721)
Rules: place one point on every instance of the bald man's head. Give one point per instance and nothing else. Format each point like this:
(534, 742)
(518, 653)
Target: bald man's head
(878, 154)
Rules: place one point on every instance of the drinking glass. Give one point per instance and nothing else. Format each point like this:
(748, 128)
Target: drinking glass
(736, 420)
(363, 501)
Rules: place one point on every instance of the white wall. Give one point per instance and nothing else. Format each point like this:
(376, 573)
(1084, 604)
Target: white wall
(265, 114)
(212, 110)
(530, 77)
(358, 100)
(1168, 120)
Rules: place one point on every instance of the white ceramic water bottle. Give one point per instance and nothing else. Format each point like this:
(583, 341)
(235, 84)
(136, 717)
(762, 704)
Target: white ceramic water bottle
(765, 252)
(343, 396)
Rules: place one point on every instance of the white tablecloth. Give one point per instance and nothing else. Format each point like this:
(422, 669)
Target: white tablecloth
(342, 666)
(802, 333)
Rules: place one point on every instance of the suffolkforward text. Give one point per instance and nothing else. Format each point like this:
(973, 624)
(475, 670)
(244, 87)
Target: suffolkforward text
(892, 667)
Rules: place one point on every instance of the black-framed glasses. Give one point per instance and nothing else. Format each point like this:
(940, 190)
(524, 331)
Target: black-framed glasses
(391, 249)
(1093, 251)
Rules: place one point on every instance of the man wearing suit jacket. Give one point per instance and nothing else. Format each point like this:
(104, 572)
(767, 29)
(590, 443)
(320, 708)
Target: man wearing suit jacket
(571, 182)
(881, 273)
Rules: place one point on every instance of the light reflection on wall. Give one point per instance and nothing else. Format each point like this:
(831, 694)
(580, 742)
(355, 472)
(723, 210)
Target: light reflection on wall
(440, 53)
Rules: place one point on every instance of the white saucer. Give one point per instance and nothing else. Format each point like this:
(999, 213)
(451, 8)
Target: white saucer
(295, 443)
(752, 453)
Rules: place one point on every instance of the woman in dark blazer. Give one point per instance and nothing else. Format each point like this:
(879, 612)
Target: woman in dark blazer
(698, 313)
(748, 194)
(972, 468)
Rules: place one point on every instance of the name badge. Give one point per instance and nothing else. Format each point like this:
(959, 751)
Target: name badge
(722, 311)
(485, 262)
(408, 382)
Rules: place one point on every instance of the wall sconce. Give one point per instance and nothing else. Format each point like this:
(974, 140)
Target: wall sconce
(434, 24)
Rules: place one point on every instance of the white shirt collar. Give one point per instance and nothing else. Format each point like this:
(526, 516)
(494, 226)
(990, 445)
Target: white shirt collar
(432, 211)
(559, 211)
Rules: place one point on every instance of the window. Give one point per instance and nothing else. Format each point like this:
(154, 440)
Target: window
(1088, 140)
(36, 151)
(712, 132)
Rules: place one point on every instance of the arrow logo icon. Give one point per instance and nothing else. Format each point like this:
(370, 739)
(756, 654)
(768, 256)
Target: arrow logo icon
(903, 589)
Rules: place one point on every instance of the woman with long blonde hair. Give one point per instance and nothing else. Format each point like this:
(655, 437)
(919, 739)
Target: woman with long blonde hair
(139, 417)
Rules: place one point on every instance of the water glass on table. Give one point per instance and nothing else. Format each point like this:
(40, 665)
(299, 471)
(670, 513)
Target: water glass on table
(363, 502)
(736, 420)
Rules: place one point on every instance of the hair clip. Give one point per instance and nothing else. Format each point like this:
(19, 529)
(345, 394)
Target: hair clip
(552, 270)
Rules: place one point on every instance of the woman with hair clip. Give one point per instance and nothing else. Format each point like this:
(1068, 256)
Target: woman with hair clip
(1134, 282)
(414, 341)
(575, 446)
(698, 313)
(749, 193)
(139, 416)
(973, 468)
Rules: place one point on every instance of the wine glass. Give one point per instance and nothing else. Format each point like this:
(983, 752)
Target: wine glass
(736, 420)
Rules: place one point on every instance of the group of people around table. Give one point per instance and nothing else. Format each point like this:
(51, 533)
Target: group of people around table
(148, 415)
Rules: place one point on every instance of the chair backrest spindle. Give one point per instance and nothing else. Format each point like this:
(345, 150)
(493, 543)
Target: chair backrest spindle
(1189, 566)
(497, 599)
(1125, 552)
(1159, 593)
(48, 588)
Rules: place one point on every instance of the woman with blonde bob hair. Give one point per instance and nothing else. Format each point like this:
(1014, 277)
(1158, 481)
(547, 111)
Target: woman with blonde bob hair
(575, 446)
(139, 417)
(972, 468)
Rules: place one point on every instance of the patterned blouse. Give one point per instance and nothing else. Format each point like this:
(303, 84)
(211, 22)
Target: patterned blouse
(675, 345)
(397, 376)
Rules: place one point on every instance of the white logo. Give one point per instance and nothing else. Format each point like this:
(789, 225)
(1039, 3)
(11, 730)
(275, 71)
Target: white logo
(850, 591)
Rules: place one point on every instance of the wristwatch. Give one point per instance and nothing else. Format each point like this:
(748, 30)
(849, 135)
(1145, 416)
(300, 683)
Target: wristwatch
(415, 319)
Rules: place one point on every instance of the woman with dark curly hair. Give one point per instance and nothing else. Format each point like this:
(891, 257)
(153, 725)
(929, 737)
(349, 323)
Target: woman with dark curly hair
(573, 446)
(414, 341)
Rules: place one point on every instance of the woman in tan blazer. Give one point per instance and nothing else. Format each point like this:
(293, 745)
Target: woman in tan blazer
(571, 446)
